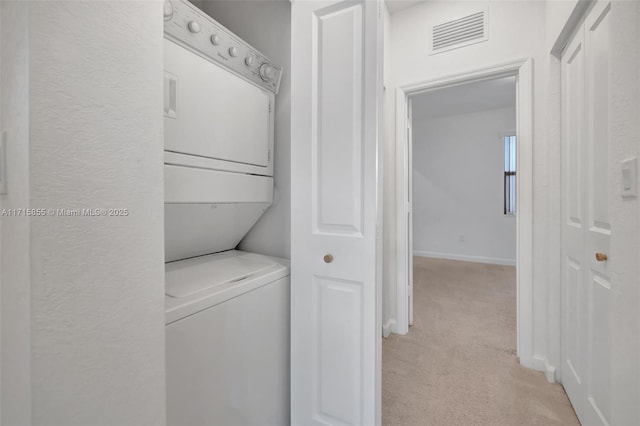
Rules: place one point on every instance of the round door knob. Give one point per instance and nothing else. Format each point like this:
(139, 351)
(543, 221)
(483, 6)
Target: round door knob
(328, 258)
(215, 39)
(601, 257)
(233, 51)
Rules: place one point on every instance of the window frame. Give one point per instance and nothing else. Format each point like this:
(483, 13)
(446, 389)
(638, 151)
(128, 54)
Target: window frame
(510, 174)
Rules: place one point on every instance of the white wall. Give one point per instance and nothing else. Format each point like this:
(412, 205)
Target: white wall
(85, 293)
(557, 14)
(458, 178)
(538, 27)
(624, 309)
(389, 299)
(516, 31)
(15, 242)
(267, 26)
(1, 221)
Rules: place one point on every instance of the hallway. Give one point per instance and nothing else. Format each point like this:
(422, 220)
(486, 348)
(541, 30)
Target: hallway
(457, 365)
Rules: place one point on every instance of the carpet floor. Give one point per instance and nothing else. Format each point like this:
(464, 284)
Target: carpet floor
(458, 364)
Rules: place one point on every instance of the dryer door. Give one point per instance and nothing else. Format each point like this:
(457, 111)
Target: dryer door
(212, 113)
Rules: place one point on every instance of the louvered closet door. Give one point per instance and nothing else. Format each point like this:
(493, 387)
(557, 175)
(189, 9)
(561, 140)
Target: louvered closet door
(586, 222)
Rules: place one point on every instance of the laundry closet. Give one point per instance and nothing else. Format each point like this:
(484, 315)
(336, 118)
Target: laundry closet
(227, 311)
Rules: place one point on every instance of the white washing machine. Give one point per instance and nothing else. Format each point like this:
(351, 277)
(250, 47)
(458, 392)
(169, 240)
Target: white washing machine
(227, 311)
(227, 340)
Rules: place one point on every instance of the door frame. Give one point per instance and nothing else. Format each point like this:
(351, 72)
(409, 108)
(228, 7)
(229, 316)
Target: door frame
(522, 69)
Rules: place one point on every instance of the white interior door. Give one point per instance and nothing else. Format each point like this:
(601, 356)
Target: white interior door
(574, 295)
(597, 213)
(409, 208)
(587, 228)
(335, 327)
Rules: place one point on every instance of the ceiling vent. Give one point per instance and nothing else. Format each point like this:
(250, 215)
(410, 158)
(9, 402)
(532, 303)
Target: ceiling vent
(459, 32)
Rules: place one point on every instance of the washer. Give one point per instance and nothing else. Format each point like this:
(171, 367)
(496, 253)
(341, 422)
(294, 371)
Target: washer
(227, 313)
(227, 331)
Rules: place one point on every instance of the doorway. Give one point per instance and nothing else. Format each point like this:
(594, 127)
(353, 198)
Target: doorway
(520, 71)
(463, 186)
(473, 325)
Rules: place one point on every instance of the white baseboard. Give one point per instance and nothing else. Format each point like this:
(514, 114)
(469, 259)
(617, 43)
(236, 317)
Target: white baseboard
(389, 327)
(476, 259)
(541, 363)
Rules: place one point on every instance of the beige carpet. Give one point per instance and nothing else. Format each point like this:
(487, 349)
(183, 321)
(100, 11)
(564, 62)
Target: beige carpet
(457, 365)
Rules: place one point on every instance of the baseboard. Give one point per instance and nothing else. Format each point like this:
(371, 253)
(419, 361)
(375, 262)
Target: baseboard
(389, 327)
(464, 258)
(541, 363)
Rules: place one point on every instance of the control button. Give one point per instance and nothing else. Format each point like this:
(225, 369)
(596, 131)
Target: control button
(267, 72)
(168, 10)
(249, 60)
(215, 39)
(194, 27)
(233, 51)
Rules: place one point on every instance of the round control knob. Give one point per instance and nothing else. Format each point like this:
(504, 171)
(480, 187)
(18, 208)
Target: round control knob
(215, 39)
(193, 26)
(249, 60)
(267, 72)
(168, 10)
(233, 51)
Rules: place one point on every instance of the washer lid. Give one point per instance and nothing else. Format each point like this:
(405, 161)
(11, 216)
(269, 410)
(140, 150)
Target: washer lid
(190, 276)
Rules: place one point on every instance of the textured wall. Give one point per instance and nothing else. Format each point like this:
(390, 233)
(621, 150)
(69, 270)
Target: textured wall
(97, 283)
(267, 26)
(624, 307)
(458, 175)
(14, 239)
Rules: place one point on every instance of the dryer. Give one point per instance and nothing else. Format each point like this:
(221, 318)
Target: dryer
(227, 312)
(219, 96)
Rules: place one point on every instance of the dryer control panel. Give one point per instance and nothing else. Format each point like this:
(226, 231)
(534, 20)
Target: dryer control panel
(191, 27)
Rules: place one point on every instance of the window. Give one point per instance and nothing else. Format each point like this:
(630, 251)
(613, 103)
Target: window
(510, 175)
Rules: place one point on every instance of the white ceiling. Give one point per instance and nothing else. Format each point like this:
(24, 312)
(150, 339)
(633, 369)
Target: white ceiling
(398, 5)
(466, 98)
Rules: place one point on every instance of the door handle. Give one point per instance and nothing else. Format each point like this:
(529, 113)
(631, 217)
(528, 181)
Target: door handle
(601, 257)
(328, 258)
(170, 95)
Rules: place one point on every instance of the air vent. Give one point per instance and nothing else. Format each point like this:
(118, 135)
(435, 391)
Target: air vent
(460, 32)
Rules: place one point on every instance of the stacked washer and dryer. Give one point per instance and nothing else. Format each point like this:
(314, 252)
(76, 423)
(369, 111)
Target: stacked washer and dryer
(227, 311)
